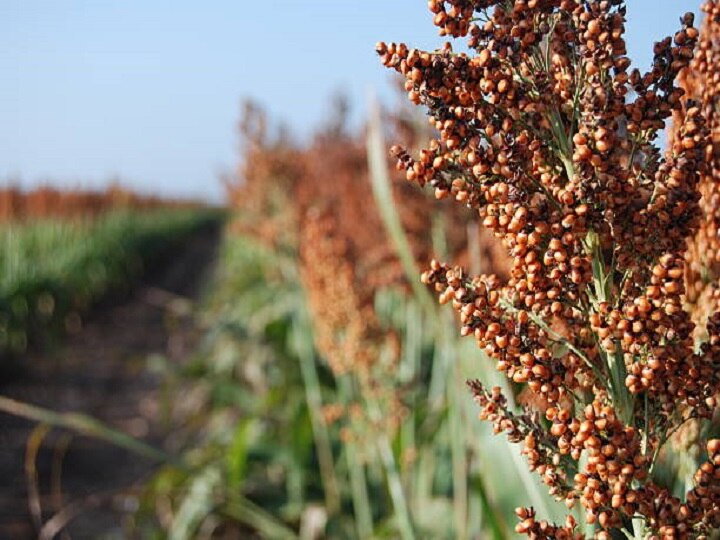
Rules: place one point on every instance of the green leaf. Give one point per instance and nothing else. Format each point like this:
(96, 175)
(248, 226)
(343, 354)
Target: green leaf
(196, 505)
(237, 456)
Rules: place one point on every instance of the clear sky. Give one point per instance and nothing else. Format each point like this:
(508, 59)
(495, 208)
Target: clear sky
(149, 91)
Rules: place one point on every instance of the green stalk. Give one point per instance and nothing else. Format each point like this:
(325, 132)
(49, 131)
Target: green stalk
(84, 425)
(602, 280)
(563, 141)
(381, 186)
(442, 325)
(436, 387)
(358, 485)
(445, 359)
(458, 454)
(244, 511)
(623, 399)
(639, 531)
(358, 482)
(411, 347)
(495, 523)
(313, 398)
(425, 469)
(402, 512)
(615, 361)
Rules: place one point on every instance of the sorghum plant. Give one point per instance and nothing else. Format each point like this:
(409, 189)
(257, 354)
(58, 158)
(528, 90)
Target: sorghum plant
(343, 262)
(264, 202)
(349, 266)
(546, 131)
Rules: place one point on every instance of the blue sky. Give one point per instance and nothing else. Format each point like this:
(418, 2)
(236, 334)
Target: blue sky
(149, 91)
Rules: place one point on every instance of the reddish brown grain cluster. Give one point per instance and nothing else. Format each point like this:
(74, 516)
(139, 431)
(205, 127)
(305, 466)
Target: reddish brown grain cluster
(346, 328)
(262, 187)
(46, 202)
(346, 259)
(533, 528)
(546, 131)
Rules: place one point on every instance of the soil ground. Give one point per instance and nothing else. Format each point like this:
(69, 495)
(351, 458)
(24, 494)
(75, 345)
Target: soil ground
(108, 369)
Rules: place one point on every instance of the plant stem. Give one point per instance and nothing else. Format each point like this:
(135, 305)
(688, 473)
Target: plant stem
(402, 512)
(490, 514)
(85, 425)
(624, 402)
(459, 457)
(358, 483)
(614, 360)
(638, 528)
(313, 397)
(244, 511)
(411, 347)
(381, 186)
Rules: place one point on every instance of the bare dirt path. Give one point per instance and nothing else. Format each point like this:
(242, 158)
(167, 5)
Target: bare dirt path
(103, 371)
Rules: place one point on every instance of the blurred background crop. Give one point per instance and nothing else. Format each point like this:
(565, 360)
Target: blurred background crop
(211, 322)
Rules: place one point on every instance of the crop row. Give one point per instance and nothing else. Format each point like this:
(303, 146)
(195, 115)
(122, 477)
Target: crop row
(52, 271)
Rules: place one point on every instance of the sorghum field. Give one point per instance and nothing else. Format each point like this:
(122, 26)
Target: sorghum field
(491, 312)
